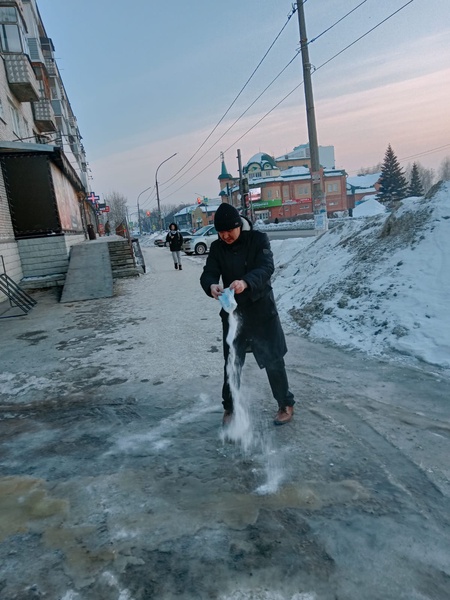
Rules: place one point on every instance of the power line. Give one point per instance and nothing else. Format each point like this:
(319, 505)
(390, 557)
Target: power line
(257, 98)
(236, 121)
(424, 153)
(293, 90)
(364, 35)
(236, 98)
(337, 22)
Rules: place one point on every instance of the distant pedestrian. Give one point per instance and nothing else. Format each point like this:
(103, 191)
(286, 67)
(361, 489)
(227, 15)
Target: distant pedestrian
(175, 241)
(107, 228)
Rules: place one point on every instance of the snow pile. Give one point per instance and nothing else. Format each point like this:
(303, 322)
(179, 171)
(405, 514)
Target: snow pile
(379, 284)
(368, 208)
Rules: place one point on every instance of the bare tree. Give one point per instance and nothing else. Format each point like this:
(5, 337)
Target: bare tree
(370, 170)
(444, 169)
(118, 208)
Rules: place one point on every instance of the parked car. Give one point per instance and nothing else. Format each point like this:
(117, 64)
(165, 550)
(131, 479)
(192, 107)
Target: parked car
(160, 240)
(200, 241)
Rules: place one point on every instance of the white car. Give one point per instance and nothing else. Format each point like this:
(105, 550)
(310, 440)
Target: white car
(200, 241)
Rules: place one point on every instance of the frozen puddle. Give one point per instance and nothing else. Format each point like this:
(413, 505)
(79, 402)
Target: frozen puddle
(267, 595)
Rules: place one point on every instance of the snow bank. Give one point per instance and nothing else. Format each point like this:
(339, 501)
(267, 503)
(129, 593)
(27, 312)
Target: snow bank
(379, 284)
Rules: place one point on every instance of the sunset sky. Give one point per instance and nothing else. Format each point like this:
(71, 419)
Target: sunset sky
(154, 78)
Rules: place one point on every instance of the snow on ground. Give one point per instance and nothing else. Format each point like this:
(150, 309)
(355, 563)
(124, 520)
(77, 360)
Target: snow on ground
(380, 284)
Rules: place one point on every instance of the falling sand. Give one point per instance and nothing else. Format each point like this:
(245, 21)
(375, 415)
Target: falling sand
(242, 430)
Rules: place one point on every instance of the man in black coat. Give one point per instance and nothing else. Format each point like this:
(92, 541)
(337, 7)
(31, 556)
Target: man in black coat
(243, 259)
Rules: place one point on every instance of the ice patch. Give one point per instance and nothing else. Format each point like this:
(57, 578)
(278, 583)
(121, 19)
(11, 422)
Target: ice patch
(159, 437)
(260, 594)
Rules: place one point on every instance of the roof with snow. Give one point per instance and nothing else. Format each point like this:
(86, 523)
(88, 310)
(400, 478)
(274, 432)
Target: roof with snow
(261, 158)
(301, 151)
(210, 206)
(294, 173)
(364, 181)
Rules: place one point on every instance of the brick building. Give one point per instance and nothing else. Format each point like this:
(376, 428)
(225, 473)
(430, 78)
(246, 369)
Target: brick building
(43, 175)
(281, 188)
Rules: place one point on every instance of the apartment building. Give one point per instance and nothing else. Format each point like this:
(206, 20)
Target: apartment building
(43, 174)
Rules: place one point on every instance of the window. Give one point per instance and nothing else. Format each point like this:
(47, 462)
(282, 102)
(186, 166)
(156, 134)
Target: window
(8, 14)
(25, 131)
(302, 190)
(11, 38)
(14, 118)
(332, 187)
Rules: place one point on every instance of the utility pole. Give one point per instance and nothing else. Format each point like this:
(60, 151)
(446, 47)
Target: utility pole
(157, 190)
(319, 204)
(138, 209)
(241, 185)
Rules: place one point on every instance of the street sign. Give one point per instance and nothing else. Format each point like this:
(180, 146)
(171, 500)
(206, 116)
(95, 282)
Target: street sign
(93, 198)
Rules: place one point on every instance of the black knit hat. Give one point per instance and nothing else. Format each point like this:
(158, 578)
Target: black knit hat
(226, 218)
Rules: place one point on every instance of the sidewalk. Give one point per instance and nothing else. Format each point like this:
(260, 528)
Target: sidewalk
(116, 484)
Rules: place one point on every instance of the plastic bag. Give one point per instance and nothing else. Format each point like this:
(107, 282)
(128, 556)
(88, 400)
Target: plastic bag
(227, 300)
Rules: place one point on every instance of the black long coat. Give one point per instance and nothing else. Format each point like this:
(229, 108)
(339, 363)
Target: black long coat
(249, 258)
(175, 241)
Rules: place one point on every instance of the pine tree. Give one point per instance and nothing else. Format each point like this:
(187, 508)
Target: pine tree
(393, 184)
(415, 184)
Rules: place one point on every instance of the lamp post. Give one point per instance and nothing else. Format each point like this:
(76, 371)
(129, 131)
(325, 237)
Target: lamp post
(139, 213)
(157, 190)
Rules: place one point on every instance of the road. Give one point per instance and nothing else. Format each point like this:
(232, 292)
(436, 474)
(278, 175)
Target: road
(290, 233)
(117, 484)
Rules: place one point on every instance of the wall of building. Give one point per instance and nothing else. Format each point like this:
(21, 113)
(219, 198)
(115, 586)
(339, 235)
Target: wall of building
(8, 245)
(47, 256)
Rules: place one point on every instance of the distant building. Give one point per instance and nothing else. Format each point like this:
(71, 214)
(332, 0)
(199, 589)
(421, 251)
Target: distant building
(281, 188)
(277, 193)
(300, 157)
(362, 187)
(43, 175)
(197, 215)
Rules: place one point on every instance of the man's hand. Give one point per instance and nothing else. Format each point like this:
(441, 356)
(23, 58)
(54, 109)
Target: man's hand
(238, 285)
(216, 290)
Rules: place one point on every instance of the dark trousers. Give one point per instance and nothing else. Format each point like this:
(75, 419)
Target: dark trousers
(276, 373)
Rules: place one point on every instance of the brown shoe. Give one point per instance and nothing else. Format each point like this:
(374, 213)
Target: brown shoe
(227, 416)
(284, 415)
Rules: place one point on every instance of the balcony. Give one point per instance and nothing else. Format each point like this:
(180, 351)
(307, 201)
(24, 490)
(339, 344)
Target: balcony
(21, 78)
(51, 67)
(43, 114)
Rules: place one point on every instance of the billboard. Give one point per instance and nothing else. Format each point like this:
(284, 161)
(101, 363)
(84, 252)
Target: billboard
(254, 194)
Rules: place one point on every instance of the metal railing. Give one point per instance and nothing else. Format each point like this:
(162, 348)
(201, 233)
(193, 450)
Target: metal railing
(17, 297)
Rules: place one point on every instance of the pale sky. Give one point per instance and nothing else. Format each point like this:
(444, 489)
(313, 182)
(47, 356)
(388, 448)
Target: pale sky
(156, 78)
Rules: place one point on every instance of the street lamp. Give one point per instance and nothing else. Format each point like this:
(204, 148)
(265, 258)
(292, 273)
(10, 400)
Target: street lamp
(157, 190)
(139, 213)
